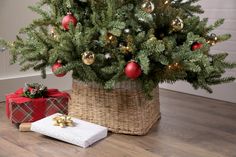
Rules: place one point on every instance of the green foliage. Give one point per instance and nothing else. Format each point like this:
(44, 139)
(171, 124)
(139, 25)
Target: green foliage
(163, 54)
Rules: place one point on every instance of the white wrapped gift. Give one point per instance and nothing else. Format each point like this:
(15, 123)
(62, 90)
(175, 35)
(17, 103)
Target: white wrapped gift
(82, 134)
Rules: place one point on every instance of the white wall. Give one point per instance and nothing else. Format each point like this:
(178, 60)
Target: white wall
(14, 15)
(215, 9)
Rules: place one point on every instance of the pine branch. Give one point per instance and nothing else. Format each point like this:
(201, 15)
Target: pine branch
(164, 54)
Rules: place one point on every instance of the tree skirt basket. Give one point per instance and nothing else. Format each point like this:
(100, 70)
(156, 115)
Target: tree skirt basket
(123, 110)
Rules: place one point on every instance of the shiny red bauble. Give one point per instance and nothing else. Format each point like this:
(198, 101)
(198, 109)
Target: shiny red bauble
(196, 46)
(69, 18)
(133, 70)
(55, 67)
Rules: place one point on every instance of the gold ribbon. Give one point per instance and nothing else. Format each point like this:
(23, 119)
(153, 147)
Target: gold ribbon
(63, 121)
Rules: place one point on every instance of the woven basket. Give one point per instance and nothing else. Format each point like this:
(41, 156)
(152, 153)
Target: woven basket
(123, 110)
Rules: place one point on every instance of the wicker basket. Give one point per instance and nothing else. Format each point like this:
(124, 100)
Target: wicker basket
(123, 110)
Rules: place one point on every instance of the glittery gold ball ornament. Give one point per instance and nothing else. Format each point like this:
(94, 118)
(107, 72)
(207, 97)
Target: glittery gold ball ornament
(177, 24)
(53, 33)
(148, 6)
(125, 48)
(88, 57)
(111, 39)
(212, 40)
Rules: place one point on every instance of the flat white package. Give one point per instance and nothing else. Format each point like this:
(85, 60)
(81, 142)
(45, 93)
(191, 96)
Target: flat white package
(82, 134)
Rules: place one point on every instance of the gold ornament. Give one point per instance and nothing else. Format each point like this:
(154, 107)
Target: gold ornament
(177, 24)
(63, 121)
(53, 33)
(111, 39)
(148, 6)
(88, 57)
(212, 40)
(125, 48)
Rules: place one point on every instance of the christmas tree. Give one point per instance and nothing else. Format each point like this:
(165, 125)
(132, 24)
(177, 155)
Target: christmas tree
(108, 41)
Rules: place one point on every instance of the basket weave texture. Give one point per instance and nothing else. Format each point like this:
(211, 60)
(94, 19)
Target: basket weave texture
(123, 110)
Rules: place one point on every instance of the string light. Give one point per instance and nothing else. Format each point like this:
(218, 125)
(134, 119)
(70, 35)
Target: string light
(127, 48)
(13, 44)
(174, 66)
(163, 4)
(110, 37)
(166, 2)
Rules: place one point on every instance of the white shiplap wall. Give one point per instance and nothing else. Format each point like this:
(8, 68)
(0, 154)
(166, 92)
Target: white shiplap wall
(14, 15)
(215, 9)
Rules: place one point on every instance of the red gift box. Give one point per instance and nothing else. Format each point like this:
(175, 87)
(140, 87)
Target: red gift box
(21, 109)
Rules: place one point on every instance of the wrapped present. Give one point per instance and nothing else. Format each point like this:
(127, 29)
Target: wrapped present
(21, 109)
(71, 130)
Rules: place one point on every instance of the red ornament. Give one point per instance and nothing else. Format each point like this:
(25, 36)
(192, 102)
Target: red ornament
(196, 46)
(69, 18)
(133, 70)
(57, 66)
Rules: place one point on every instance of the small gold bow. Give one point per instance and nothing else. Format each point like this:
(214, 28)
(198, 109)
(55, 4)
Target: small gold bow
(63, 121)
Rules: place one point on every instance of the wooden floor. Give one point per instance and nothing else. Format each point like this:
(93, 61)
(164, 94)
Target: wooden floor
(190, 127)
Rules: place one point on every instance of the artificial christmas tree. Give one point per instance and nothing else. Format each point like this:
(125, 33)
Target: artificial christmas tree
(161, 40)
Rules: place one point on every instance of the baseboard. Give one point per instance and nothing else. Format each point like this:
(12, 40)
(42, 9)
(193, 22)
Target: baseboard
(224, 92)
(10, 84)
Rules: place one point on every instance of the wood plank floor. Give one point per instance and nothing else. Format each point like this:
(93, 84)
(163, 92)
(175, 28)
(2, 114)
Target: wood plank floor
(190, 127)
